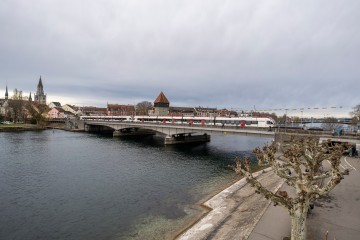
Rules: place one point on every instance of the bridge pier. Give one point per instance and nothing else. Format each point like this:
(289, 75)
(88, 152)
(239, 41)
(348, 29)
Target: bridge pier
(97, 129)
(186, 138)
(133, 132)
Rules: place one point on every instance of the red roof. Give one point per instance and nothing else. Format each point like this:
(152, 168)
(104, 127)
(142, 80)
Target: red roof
(161, 99)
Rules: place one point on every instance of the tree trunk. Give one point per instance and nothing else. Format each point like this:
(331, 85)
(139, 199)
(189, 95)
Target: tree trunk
(298, 222)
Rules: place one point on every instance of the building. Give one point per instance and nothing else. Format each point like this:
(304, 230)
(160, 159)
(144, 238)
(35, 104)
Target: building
(226, 113)
(205, 112)
(182, 111)
(4, 104)
(40, 97)
(93, 111)
(73, 109)
(54, 104)
(56, 112)
(120, 110)
(161, 105)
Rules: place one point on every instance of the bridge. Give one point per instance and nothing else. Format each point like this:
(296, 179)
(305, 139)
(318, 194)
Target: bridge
(175, 133)
(184, 133)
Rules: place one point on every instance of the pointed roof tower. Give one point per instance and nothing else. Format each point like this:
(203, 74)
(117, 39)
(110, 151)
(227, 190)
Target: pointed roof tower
(161, 98)
(6, 93)
(40, 85)
(40, 96)
(161, 105)
(30, 98)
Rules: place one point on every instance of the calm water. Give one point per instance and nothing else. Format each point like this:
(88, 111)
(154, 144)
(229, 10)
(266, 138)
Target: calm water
(63, 185)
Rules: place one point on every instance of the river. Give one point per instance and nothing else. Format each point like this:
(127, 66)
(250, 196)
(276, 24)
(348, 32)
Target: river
(65, 185)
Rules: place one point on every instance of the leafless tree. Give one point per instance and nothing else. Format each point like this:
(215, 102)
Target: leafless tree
(16, 105)
(300, 163)
(36, 112)
(267, 114)
(143, 107)
(356, 112)
(331, 123)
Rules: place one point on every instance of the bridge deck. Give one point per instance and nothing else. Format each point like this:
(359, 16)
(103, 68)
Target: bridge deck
(171, 129)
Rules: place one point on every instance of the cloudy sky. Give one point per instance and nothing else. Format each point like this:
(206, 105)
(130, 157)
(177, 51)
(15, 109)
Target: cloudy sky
(219, 53)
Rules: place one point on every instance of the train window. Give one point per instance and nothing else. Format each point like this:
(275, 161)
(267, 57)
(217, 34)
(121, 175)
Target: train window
(254, 122)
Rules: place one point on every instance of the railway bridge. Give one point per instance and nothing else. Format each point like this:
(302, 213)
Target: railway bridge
(175, 133)
(186, 133)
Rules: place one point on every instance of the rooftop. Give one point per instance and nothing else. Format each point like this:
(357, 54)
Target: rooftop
(161, 98)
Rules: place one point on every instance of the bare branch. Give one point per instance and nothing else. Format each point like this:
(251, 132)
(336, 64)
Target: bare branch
(300, 164)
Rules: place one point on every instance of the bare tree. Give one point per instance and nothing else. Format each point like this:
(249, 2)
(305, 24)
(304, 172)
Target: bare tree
(300, 164)
(283, 119)
(16, 104)
(36, 112)
(267, 114)
(143, 107)
(356, 112)
(331, 123)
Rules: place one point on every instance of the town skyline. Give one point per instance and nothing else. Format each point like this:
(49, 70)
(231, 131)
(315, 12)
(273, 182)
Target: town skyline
(304, 111)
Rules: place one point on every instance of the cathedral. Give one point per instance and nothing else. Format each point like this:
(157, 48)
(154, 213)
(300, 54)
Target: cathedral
(7, 108)
(40, 97)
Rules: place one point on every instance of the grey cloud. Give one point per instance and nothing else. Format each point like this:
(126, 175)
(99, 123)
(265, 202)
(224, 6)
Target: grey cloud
(210, 53)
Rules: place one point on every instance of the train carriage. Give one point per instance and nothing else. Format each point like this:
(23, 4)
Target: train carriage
(261, 122)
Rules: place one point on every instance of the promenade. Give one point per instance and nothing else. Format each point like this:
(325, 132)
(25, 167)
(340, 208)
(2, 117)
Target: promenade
(239, 213)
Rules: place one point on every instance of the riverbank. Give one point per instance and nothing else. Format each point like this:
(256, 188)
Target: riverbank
(232, 213)
(20, 127)
(239, 213)
(203, 210)
(203, 207)
(31, 127)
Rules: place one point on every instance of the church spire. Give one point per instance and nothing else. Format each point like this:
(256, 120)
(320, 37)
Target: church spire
(6, 93)
(40, 85)
(40, 96)
(30, 98)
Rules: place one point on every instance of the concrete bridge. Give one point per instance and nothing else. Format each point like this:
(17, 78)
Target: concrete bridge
(175, 133)
(184, 133)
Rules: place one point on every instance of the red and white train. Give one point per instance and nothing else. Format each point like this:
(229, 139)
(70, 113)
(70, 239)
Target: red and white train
(263, 122)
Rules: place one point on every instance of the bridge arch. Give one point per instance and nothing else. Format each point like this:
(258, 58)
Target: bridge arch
(135, 128)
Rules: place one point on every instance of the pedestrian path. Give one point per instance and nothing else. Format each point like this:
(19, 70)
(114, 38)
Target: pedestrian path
(239, 213)
(235, 211)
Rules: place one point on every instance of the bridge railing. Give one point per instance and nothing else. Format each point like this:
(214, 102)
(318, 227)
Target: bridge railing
(187, 125)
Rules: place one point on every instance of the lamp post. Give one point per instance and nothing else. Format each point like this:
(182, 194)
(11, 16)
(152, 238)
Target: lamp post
(285, 118)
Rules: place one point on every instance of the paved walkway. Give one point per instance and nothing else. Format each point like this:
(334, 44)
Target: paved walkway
(239, 213)
(339, 212)
(235, 213)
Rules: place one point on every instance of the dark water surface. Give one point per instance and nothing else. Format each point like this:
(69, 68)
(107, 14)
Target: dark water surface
(63, 185)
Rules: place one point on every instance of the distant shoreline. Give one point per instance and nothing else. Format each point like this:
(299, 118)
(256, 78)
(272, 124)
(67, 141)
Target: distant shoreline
(18, 128)
(30, 127)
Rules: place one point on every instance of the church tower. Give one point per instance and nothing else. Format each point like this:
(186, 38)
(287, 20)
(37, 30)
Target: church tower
(40, 97)
(6, 94)
(161, 105)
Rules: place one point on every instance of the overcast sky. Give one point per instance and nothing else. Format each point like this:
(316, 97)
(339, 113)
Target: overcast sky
(228, 53)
